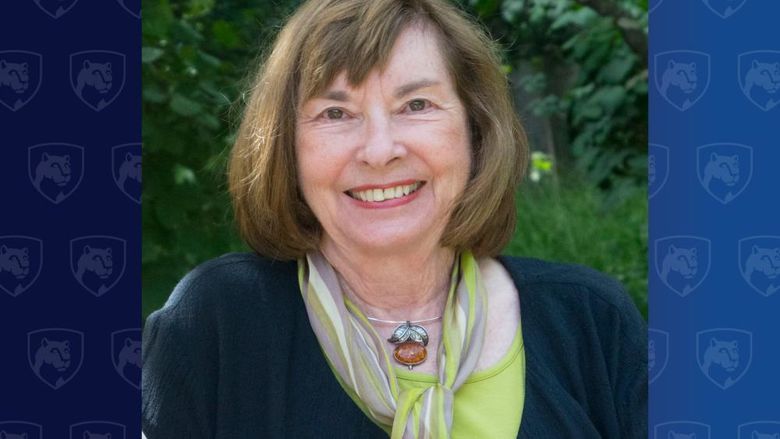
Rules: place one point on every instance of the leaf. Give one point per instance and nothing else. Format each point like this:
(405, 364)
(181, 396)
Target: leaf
(184, 106)
(150, 54)
(400, 334)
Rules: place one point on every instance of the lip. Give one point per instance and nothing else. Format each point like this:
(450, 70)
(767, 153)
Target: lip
(366, 187)
(395, 202)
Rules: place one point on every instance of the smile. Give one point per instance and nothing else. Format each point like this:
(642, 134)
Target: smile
(379, 195)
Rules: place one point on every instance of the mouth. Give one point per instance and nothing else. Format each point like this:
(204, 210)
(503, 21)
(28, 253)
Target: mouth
(381, 195)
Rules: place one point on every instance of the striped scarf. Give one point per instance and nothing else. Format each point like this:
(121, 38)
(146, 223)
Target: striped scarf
(357, 356)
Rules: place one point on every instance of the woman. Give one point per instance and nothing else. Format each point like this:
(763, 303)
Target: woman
(373, 175)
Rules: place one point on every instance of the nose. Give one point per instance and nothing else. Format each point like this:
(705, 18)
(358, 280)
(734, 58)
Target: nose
(380, 147)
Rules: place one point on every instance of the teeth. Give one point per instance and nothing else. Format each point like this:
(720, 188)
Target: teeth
(379, 195)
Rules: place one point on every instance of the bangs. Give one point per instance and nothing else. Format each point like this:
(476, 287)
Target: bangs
(355, 39)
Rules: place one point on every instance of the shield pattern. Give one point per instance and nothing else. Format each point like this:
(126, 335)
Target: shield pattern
(724, 169)
(97, 77)
(133, 7)
(657, 168)
(759, 263)
(759, 430)
(126, 355)
(682, 77)
(98, 262)
(21, 259)
(657, 353)
(55, 8)
(21, 73)
(126, 169)
(681, 430)
(682, 262)
(758, 74)
(55, 169)
(55, 355)
(98, 430)
(724, 8)
(20, 429)
(724, 355)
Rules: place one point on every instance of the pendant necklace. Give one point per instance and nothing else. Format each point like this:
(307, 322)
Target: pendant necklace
(410, 339)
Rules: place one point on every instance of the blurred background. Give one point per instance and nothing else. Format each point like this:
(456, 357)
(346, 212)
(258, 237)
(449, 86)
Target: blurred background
(578, 70)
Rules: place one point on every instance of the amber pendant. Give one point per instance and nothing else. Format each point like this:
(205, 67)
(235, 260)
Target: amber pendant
(410, 353)
(411, 340)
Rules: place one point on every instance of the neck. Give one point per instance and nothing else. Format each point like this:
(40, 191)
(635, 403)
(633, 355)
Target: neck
(399, 286)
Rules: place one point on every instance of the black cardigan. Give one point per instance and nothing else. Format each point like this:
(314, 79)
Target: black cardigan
(232, 355)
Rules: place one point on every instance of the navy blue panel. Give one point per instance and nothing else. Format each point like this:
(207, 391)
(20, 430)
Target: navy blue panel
(70, 218)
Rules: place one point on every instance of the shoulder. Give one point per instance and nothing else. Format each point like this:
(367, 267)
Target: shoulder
(231, 277)
(565, 284)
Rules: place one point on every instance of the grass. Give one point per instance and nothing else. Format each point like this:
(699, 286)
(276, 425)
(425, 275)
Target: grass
(574, 222)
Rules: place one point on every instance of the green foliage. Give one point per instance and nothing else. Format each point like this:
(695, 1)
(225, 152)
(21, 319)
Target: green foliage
(604, 103)
(197, 55)
(568, 221)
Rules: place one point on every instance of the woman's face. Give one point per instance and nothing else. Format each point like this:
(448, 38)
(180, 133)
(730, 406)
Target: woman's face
(380, 165)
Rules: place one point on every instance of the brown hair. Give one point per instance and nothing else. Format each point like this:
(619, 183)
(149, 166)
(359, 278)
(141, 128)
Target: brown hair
(326, 37)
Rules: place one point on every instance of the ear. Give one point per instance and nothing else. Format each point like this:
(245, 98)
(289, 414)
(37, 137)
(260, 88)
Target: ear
(108, 250)
(713, 157)
(128, 157)
(128, 342)
(754, 250)
(67, 159)
(45, 156)
(44, 342)
(672, 435)
(3, 249)
(713, 342)
(693, 251)
(754, 65)
(2, 64)
(87, 64)
(87, 250)
(693, 65)
(672, 64)
(672, 249)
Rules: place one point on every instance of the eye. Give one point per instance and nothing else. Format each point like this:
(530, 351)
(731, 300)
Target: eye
(334, 114)
(418, 105)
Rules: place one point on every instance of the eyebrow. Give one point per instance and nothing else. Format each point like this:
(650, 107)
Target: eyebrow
(342, 96)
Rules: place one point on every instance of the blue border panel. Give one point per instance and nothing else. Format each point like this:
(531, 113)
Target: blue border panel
(714, 252)
(70, 218)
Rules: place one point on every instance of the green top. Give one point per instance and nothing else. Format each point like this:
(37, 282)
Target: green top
(490, 402)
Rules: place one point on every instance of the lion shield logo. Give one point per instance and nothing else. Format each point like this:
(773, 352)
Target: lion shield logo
(126, 355)
(97, 262)
(682, 262)
(97, 430)
(724, 355)
(657, 168)
(56, 8)
(97, 77)
(55, 354)
(20, 430)
(759, 263)
(724, 8)
(682, 77)
(133, 7)
(759, 77)
(724, 169)
(682, 430)
(657, 353)
(759, 430)
(21, 259)
(20, 77)
(55, 169)
(126, 168)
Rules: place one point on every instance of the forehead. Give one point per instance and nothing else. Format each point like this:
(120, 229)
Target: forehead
(415, 56)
